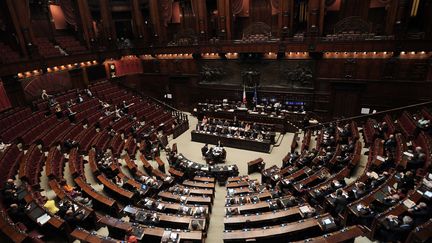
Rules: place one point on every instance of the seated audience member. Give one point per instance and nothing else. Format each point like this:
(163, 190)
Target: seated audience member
(420, 213)
(58, 111)
(125, 107)
(17, 212)
(395, 229)
(71, 115)
(44, 95)
(118, 181)
(195, 225)
(366, 214)
(3, 146)
(80, 99)
(417, 160)
(359, 190)
(10, 185)
(407, 182)
(88, 92)
(73, 218)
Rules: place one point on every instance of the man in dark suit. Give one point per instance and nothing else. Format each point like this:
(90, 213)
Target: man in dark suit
(340, 202)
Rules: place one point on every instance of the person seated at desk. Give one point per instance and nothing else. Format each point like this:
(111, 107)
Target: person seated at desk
(118, 181)
(204, 121)
(73, 218)
(340, 201)
(391, 200)
(407, 181)
(195, 225)
(64, 206)
(382, 129)
(17, 212)
(345, 133)
(10, 185)
(390, 144)
(232, 211)
(366, 214)
(10, 196)
(199, 211)
(359, 190)
(420, 213)
(395, 229)
(260, 137)
(417, 161)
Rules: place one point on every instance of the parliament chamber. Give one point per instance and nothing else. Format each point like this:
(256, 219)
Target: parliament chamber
(215, 121)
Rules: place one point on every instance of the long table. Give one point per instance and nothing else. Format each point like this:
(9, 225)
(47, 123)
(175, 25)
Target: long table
(247, 144)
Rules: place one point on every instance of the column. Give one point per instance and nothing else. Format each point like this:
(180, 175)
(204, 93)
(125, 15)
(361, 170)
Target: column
(159, 30)
(108, 29)
(285, 18)
(224, 19)
(402, 16)
(316, 17)
(138, 20)
(391, 16)
(17, 26)
(86, 22)
(200, 10)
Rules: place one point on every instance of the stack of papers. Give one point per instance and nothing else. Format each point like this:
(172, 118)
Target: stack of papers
(43, 219)
(408, 203)
(305, 209)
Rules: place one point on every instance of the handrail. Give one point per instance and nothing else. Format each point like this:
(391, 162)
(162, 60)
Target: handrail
(379, 113)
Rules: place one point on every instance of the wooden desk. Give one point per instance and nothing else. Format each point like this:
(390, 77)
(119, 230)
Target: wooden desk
(239, 191)
(10, 230)
(113, 188)
(174, 207)
(99, 198)
(85, 236)
(261, 196)
(166, 220)
(204, 179)
(208, 185)
(238, 178)
(317, 177)
(185, 236)
(255, 165)
(288, 232)
(342, 235)
(267, 218)
(176, 173)
(247, 144)
(196, 191)
(149, 233)
(239, 184)
(161, 164)
(188, 199)
(422, 233)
